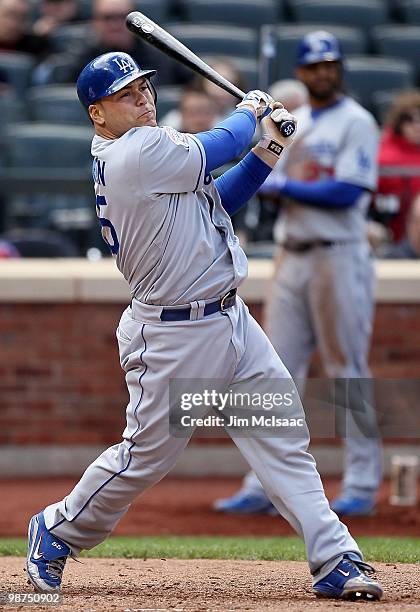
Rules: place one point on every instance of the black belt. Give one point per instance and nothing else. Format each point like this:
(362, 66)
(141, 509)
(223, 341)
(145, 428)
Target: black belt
(302, 247)
(184, 314)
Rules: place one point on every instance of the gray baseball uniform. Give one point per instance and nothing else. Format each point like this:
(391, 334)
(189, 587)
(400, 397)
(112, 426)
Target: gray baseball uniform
(175, 245)
(323, 297)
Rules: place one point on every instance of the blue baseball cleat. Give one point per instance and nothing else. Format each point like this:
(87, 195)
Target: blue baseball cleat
(245, 503)
(349, 580)
(353, 506)
(46, 558)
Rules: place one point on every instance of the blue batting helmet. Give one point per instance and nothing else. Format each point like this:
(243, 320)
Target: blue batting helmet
(107, 74)
(318, 46)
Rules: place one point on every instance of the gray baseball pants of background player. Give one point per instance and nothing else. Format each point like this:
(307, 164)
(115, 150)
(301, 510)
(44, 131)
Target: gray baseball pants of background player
(323, 299)
(228, 346)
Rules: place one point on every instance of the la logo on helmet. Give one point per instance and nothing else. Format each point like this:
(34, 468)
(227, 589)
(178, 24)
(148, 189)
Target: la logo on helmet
(123, 64)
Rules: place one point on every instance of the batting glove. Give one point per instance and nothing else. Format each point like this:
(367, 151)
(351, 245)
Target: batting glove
(272, 139)
(258, 100)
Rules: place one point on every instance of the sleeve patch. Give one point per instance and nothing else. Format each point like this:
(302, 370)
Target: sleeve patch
(176, 137)
(363, 160)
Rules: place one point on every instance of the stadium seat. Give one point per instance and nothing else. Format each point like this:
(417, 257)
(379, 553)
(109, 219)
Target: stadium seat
(168, 99)
(398, 41)
(157, 10)
(57, 104)
(410, 11)
(47, 179)
(357, 13)
(352, 40)
(217, 39)
(381, 103)
(237, 12)
(9, 113)
(248, 69)
(18, 68)
(49, 146)
(57, 68)
(11, 110)
(34, 243)
(368, 74)
(71, 37)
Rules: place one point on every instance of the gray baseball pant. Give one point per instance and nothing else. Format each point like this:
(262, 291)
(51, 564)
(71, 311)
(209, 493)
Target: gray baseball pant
(324, 299)
(228, 347)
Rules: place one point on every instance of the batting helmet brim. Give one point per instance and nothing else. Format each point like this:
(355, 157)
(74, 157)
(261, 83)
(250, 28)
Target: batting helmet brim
(121, 83)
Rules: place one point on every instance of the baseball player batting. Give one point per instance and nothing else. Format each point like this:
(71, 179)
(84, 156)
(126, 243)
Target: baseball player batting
(323, 290)
(167, 223)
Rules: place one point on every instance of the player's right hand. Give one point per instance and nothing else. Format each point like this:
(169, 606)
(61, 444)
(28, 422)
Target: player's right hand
(270, 124)
(256, 100)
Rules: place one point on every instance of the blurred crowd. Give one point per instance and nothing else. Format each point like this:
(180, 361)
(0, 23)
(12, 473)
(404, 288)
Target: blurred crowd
(43, 46)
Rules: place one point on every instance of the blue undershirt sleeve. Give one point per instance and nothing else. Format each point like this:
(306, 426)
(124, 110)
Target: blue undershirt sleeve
(228, 139)
(327, 193)
(238, 184)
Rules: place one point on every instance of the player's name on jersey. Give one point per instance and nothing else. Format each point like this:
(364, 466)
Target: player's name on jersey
(98, 171)
(249, 421)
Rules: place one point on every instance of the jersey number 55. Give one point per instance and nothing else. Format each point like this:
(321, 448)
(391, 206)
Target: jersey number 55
(108, 230)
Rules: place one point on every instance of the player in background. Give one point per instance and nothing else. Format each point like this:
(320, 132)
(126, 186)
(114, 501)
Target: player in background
(167, 222)
(323, 291)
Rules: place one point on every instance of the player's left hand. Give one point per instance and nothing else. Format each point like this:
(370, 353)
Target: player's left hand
(270, 124)
(258, 100)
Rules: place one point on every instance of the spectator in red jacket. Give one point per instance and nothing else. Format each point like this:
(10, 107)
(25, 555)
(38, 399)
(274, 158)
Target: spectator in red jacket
(399, 162)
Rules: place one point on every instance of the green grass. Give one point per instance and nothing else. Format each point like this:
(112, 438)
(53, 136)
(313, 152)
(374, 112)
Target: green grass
(388, 550)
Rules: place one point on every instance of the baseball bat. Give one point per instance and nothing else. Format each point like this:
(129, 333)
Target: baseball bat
(148, 30)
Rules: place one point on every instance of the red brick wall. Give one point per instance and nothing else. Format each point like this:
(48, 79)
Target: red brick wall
(61, 383)
(395, 351)
(60, 379)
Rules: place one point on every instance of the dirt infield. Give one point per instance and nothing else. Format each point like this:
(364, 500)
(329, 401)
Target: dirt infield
(183, 507)
(159, 584)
